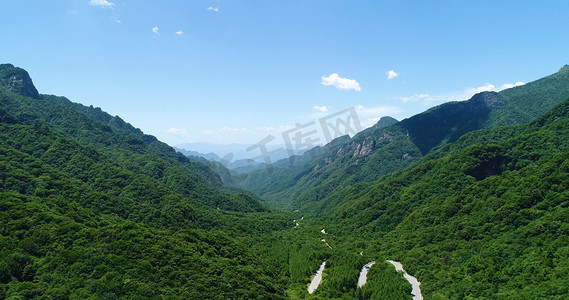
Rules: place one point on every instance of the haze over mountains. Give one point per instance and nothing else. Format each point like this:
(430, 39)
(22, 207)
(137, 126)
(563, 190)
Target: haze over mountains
(234, 157)
(471, 197)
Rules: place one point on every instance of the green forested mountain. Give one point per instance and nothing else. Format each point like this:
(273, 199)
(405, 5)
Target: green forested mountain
(92, 208)
(318, 172)
(484, 217)
(391, 146)
(448, 122)
(121, 144)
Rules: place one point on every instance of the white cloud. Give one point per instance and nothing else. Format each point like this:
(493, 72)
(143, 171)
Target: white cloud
(370, 115)
(459, 95)
(321, 108)
(183, 132)
(320, 111)
(427, 99)
(414, 98)
(469, 92)
(275, 129)
(215, 9)
(155, 30)
(340, 83)
(179, 32)
(225, 134)
(234, 130)
(378, 111)
(369, 122)
(101, 3)
(484, 88)
(117, 21)
(511, 85)
(391, 74)
(211, 132)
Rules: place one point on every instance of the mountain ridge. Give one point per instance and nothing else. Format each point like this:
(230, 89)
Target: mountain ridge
(395, 147)
(482, 199)
(93, 207)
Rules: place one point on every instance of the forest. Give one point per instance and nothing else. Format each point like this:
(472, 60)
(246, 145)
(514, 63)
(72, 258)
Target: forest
(93, 208)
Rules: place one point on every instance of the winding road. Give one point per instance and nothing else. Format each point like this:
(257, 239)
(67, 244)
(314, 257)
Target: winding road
(416, 292)
(363, 274)
(316, 280)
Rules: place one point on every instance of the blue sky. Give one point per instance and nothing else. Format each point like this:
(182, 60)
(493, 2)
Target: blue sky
(235, 71)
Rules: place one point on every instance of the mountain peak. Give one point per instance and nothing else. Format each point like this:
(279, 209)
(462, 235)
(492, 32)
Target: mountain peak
(488, 99)
(565, 68)
(385, 121)
(18, 81)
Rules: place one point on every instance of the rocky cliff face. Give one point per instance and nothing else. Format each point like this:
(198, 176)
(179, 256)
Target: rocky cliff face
(367, 144)
(485, 100)
(18, 81)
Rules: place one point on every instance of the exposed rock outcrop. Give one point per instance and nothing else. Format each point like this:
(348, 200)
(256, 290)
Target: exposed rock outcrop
(18, 81)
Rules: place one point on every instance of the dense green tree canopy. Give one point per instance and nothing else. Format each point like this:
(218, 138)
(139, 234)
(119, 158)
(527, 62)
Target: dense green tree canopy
(92, 208)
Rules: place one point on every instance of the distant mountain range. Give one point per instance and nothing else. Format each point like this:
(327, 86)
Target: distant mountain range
(232, 151)
(234, 156)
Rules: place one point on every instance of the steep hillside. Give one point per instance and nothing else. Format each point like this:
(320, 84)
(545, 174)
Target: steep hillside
(92, 207)
(126, 147)
(343, 161)
(387, 147)
(448, 122)
(485, 217)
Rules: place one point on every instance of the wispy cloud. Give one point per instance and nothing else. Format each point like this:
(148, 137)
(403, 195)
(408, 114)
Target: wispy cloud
(414, 98)
(101, 3)
(506, 86)
(458, 96)
(266, 128)
(183, 132)
(210, 132)
(225, 134)
(215, 9)
(391, 74)
(469, 92)
(234, 130)
(340, 83)
(321, 108)
(275, 129)
(320, 111)
(370, 115)
(179, 32)
(155, 30)
(483, 88)
(378, 111)
(226, 130)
